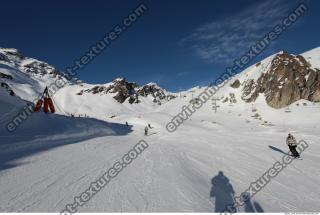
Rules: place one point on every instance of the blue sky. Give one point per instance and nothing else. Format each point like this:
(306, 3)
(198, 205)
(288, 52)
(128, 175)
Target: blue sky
(178, 44)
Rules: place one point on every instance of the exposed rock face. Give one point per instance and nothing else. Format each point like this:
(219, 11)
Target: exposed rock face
(4, 58)
(130, 90)
(232, 98)
(13, 53)
(120, 87)
(13, 58)
(235, 84)
(249, 91)
(39, 68)
(5, 85)
(8, 88)
(157, 93)
(5, 76)
(289, 79)
(124, 90)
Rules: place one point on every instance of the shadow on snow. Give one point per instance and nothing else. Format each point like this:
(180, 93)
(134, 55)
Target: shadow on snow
(43, 132)
(278, 150)
(223, 193)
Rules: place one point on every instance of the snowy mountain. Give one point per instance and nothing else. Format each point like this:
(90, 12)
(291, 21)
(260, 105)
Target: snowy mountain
(124, 90)
(26, 77)
(212, 157)
(283, 79)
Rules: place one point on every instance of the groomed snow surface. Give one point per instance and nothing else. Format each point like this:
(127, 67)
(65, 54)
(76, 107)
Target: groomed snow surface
(50, 159)
(212, 157)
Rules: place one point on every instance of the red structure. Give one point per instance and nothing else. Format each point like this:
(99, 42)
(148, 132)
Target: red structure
(46, 101)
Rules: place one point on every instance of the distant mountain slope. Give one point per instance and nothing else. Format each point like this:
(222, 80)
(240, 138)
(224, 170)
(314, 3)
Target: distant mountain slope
(27, 78)
(282, 79)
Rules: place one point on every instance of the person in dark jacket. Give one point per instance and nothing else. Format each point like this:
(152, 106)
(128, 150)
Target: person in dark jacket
(146, 131)
(292, 143)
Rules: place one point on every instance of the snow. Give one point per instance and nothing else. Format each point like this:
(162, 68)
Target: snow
(51, 158)
(313, 56)
(254, 71)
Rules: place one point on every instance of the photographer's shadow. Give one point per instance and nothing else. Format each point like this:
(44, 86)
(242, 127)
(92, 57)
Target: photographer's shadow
(222, 191)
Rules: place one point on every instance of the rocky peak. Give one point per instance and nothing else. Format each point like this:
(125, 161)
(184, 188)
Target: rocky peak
(156, 92)
(130, 90)
(120, 86)
(13, 58)
(7, 88)
(7, 54)
(124, 90)
(288, 79)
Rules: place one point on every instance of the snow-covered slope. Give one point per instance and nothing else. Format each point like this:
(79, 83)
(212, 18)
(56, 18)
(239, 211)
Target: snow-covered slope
(178, 172)
(29, 76)
(101, 106)
(200, 167)
(313, 56)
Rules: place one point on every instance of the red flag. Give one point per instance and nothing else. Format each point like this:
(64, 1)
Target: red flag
(51, 105)
(46, 105)
(38, 105)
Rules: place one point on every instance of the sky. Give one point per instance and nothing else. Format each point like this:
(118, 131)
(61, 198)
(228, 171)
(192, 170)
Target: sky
(177, 44)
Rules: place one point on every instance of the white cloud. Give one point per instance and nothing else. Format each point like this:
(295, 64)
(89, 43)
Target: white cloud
(227, 39)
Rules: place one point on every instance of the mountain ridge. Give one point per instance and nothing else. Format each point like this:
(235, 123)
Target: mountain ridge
(281, 78)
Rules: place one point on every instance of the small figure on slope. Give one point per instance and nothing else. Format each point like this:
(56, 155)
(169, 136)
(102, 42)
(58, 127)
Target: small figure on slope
(146, 131)
(292, 143)
(149, 126)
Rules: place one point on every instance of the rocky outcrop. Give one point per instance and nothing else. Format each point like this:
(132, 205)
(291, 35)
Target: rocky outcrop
(232, 98)
(7, 88)
(5, 76)
(120, 87)
(4, 58)
(13, 58)
(124, 90)
(130, 90)
(235, 84)
(289, 79)
(41, 68)
(249, 91)
(12, 53)
(156, 92)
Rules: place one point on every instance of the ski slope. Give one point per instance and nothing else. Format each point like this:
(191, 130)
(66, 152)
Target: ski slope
(172, 175)
(209, 159)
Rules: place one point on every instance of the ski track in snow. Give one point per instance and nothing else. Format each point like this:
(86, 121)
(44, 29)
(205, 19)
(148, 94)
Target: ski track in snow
(50, 159)
(173, 174)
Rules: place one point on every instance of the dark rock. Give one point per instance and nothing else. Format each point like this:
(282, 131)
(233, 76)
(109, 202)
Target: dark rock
(2, 75)
(156, 92)
(235, 84)
(129, 90)
(7, 88)
(289, 79)
(4, 58)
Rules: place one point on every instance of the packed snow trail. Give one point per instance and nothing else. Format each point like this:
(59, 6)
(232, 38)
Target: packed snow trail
(172, 175)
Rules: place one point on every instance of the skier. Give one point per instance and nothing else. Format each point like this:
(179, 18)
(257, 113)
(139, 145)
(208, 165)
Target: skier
(149, 126)
(146, 131)
(292, 143)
